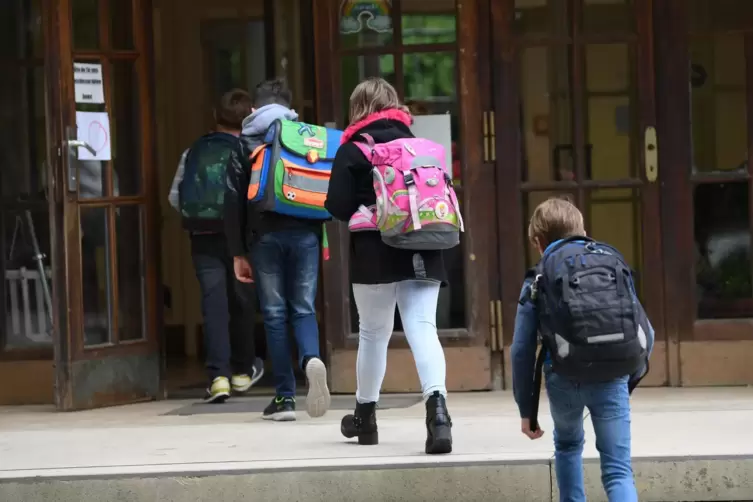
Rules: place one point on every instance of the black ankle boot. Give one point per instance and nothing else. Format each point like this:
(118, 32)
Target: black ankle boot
(362, 424)
(438, 425)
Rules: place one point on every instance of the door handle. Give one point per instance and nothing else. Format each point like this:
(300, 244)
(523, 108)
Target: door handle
(71, 145)
(77, 143)
(651, 154)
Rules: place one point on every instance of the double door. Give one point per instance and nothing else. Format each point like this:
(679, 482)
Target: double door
(572, 114)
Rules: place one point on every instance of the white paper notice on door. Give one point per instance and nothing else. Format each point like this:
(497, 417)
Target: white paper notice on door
(88, 84)
(94, 129)
(437, 128)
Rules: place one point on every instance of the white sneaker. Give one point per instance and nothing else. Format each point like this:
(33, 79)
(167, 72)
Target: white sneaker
(318, 399)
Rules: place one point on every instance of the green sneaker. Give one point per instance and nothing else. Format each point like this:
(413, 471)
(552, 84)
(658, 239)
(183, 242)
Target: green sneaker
(219, 391)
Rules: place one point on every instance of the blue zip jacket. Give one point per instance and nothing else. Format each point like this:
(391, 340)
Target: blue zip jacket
(525, 341)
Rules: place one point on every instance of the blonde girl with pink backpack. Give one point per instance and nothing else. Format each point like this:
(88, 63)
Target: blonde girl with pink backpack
(396, 194)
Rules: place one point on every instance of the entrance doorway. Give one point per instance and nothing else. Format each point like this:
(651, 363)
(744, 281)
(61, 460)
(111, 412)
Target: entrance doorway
(202, 50)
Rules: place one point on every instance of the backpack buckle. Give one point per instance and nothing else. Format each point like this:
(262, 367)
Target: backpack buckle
(409, 180)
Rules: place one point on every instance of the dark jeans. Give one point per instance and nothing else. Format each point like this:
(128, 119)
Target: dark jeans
(286, 268)
(227, 306)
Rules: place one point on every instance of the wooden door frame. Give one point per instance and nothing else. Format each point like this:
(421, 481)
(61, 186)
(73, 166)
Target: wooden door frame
(478, 195)
(511, 190)
(701, 351)
(67, 265)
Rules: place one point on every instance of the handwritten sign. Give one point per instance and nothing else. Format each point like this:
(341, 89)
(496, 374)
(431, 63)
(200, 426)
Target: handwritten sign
(94, 129)
(88, 83)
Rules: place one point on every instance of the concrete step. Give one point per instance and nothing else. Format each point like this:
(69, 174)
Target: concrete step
(688, 445)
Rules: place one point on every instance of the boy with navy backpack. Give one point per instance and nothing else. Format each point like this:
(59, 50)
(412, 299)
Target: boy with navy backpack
(198, 193)
(596, 339)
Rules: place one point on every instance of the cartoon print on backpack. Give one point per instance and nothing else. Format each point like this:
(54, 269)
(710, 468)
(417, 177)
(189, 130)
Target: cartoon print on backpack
(416, 205)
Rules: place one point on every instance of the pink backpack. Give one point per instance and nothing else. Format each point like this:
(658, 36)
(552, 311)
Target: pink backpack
(416, 206)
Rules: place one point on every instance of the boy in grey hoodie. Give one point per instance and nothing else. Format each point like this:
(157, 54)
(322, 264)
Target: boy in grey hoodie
(284, 263)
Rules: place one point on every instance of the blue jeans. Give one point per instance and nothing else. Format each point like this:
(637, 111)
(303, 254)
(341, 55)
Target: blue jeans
(609, 405)
(286, 270)
(227, 306)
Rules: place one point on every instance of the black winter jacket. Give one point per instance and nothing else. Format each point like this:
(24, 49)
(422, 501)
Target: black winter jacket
(351, 185)
(244, 224)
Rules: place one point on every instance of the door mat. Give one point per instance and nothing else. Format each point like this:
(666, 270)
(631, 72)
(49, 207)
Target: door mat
(257, 404)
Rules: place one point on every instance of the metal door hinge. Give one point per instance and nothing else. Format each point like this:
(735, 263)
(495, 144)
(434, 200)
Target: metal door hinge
(490, 149)
(496, 340)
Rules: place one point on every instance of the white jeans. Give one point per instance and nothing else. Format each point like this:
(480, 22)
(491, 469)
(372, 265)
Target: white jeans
(417, 303)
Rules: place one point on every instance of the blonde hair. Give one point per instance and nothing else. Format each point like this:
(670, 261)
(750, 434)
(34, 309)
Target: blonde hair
(554, 219)
(371, 96)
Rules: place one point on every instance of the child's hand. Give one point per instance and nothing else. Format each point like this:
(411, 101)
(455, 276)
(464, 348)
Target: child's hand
(525, 428)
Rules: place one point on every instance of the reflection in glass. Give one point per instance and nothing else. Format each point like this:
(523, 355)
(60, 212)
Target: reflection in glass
(27, 286)
(542, 17)
(614, 217)
(608, 16)
(718, 90)
(357, 68)
(95, 275)
(126, 127)
(429, 28)
(85, 21)
(532, 200)
(365, 24)
(722, 241)
(546, 116)
(611, 124)
(121, 24)
(131, 274)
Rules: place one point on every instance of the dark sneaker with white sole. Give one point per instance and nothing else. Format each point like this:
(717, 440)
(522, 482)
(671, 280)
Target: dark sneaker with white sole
(242, 382)
(281, 409)
(318, 399)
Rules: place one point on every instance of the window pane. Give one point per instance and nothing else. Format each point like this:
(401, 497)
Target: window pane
(718, 90)
(541, 17)
(720, 15)
(546, 114)
(121, 24)
(722, 240)
(429, 28)
(357, 68)
(27, 286)
(85, 22)
(126, 129)
(131, 273)
(365, 24)
(92, 174)
(608, 16)
(612, 134)
(614, 217)
(95, 275)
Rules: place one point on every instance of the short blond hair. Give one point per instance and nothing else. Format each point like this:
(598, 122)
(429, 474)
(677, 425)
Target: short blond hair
(554, 219)
(371, 96)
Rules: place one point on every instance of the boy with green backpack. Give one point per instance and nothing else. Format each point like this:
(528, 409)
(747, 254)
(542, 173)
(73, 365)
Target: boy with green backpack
(198, 193)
